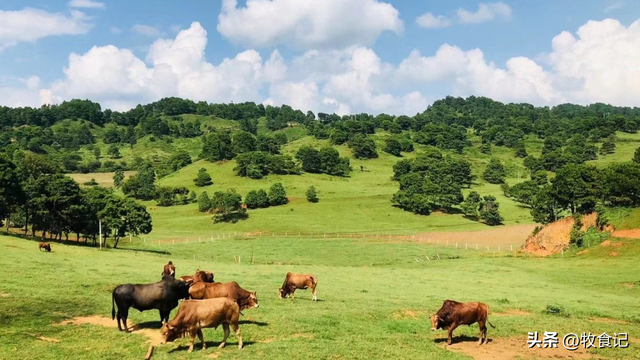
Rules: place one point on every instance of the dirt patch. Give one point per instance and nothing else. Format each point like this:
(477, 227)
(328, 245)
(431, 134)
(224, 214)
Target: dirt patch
(502, 235)
(630, 234)
(609, 243)
(304, 336)
(613, 253)
(268, 341)
(45, 338)
(3, 295)
(608, 321)
(583, 252)
(511, 312)
(213, 356)
(408, 314)
(629, 285)
(511, 349)
(555, 237)
(152, 334)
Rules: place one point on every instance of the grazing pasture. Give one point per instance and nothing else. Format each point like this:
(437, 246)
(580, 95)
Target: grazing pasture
(374, 301)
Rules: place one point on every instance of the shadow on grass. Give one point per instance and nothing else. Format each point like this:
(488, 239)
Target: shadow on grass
(211, 345)
(460, 339)
(146, 325)
(251, 322)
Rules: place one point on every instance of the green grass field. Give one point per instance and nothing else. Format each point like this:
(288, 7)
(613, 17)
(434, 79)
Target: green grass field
(374, 298)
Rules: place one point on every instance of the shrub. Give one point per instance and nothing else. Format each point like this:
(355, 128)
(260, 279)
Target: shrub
(312, 196)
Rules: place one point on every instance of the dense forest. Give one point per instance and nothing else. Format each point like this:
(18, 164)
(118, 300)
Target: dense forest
(39, 145)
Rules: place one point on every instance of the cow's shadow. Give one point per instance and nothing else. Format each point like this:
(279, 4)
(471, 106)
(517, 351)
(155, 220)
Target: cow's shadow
(211, 345)
(251, 322)
(146, 325)
(461, 339)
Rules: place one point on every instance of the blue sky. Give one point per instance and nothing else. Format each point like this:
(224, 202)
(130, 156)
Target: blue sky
(324, 55)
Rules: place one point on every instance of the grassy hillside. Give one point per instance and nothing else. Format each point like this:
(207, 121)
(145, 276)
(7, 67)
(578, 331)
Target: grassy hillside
(367, 308)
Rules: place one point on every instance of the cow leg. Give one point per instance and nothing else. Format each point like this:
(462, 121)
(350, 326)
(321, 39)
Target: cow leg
(125, 315)
(483, 332)
(236, 329)
(225, 327)
(162, 316)
(192, 339)
(313, 292)
(201, 337)
(450, 334)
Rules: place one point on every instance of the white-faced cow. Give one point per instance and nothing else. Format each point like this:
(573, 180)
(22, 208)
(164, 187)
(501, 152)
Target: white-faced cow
(453, 314)
(195, 315)
(298, 281)
(163, 295)
(245, 299)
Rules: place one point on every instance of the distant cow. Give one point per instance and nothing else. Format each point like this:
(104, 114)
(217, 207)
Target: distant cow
(199, 276)
(298, 281)
(453, 314)
(169, 270)
(245, 299)
(195, 315)
(163, 295)
(44, 245)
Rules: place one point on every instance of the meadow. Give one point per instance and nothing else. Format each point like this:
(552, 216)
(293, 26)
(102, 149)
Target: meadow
(374, 299)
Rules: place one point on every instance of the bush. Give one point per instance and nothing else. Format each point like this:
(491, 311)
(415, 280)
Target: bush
(203, 178)
(256, 199)
(91, 182)
(555, 310)
(312, 196)
(204, 203)
(494, 173)
(277, 195)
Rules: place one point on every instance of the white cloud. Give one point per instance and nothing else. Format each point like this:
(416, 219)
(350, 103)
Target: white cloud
(88, 4)
(430, 21)
(600, 63)
(614, 6)
(485, 12)
(29, 25)
(308, 23)
(146, 30)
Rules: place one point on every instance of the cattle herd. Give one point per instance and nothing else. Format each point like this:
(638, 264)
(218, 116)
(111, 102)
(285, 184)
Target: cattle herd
(209, 304)
(206, 303)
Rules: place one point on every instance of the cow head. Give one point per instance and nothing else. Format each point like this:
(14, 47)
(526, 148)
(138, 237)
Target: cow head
(204, 276)
(252, 301)
(169, 333)
(281, 293)
(435, 322)
(170, 269)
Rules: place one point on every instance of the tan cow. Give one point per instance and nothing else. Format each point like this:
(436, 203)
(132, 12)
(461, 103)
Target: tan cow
(453, 314)
(44, 246)
(195, 315)
(298, 281)
(245, 299)
(199, 276)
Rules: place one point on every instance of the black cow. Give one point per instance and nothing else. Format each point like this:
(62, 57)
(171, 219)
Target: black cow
(163, 295)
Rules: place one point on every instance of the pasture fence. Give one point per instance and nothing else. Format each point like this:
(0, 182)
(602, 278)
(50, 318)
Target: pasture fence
(483, 248)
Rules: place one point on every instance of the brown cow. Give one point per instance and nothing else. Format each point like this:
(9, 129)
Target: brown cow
(231, 290)
(44, 245)
(169, 270)
(199, 276)
(453, 314)
(298, 281)
(195, 315)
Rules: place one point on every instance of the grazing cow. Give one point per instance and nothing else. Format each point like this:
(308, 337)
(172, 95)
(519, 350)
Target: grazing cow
(453, 314)
(169, 270)
(44, 245)
(245, 299)
(195, 315)
(200, 276)
(298, 281)
(163, 295)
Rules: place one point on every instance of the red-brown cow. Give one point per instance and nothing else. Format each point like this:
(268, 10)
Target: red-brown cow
(169, 270)
(44, 246)
(453, 314)
(298, 281)
(245, 299)
(195, 315)
(199, 276)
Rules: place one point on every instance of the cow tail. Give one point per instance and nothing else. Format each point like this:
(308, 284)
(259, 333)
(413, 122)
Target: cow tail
(491, 324)
(113, 310)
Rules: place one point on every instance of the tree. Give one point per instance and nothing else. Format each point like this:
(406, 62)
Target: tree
(520, 150)
(540, 177)
(363, 147)
(243, 142)
(489, 211)
(257, 199)
(312, 196)
(204, 203)
(217, 146)
(118, 177)
(310, 159)
(636, 156)
(114, 152)
(470, 205)
(524, 192)
(608, 147)
(485, 148)
(11, 193)
(96, 153)
(332, 163)
(621, 184)
(203, 178)
(165, 196)
(277, 195)
(227, 206)
(544, 207)
(393, 146)
(577, 188)
(125, 216)
(494, 172)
